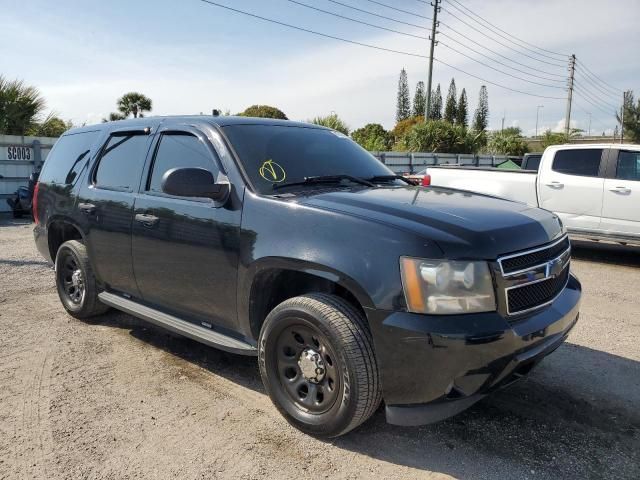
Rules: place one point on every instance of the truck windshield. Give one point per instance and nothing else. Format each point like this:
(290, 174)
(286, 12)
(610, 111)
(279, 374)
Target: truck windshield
(275, 155)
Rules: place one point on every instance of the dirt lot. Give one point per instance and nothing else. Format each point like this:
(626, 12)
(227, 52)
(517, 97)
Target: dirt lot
(116, 398)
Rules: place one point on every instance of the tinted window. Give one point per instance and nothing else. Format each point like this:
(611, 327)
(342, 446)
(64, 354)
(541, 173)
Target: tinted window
(179, 151)
(121, 162)
(67, 159)
(277, 154)
(585, 163)
(628, 165)
(533, 162)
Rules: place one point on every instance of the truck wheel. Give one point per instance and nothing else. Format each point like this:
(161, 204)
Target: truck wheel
(75, 281)
(318, 365)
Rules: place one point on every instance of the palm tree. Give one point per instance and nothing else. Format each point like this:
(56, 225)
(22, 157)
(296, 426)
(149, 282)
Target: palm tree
(20, 106)
(134, 103)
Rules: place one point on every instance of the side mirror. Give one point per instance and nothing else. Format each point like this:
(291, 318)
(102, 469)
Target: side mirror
(194, 182)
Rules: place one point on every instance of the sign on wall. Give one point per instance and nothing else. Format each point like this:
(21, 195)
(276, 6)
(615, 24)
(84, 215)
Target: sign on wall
(16, 152)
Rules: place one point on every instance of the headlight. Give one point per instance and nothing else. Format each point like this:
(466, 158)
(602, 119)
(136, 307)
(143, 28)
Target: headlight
(443, 287)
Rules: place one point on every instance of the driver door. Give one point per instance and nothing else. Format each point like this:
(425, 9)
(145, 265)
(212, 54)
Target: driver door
(185, 250)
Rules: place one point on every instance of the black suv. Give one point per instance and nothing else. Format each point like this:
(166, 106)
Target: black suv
(290, 242)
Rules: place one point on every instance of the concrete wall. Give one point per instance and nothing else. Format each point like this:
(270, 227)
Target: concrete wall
(19, 156)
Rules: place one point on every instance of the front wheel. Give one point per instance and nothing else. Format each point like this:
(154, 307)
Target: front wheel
(318, 364)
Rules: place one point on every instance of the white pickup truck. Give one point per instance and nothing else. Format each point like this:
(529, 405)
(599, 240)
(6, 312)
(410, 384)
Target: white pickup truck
(594, 189)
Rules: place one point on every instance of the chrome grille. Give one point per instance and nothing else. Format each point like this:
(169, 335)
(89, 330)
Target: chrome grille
(534, 278)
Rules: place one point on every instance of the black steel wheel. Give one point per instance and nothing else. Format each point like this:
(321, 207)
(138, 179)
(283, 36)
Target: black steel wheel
(318, 365)
(309, 372)
(75, 281)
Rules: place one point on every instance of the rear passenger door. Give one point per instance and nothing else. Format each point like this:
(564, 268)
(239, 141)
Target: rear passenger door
(185, 250)
(572, 186)
(105, 206)
(621, 207)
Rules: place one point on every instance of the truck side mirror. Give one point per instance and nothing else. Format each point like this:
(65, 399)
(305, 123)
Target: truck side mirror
(194, 182)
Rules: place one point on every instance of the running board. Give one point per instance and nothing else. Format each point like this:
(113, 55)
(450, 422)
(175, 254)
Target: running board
(188, 329)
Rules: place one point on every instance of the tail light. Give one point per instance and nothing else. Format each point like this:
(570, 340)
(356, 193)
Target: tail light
(34, 204)
(426, 180)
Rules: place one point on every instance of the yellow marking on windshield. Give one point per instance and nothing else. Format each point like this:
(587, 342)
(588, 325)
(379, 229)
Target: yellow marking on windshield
(272, 172)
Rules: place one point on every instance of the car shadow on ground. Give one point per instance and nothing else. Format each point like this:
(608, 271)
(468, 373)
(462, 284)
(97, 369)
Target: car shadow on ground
(6, 220)
(561, 421)
(600, 252)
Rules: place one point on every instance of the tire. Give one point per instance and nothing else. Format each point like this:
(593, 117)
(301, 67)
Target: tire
(325, 395)
(78, 295)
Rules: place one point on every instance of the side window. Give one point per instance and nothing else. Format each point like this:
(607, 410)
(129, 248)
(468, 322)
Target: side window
(121, 162)
(179, 150)
(68, 158)
(585, 163)
(628, 166)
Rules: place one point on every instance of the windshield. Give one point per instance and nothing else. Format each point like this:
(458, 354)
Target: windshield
(274, 155)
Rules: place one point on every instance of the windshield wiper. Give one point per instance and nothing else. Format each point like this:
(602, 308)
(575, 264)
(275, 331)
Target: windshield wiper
(324, 179)
(384, 178)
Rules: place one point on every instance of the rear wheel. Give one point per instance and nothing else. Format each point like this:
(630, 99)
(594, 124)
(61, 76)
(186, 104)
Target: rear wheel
(75, 281)
(318, 365)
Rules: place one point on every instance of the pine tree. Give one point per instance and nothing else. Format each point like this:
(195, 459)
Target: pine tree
(481, 117)
(462, 117)
(403, 109)
(450, 108)
(419, 100)
(435, 112)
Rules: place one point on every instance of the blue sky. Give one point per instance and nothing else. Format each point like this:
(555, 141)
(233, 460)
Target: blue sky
(190, 57)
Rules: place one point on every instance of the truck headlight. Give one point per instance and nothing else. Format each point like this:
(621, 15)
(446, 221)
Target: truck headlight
(442, 287)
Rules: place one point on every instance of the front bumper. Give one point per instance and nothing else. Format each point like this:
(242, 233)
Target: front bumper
(433, 367)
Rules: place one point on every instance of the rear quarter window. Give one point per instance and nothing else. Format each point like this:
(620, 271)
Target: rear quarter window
(580, 162)
(68, 158)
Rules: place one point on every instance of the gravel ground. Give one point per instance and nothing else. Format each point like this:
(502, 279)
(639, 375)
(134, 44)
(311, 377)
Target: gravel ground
(116, 398)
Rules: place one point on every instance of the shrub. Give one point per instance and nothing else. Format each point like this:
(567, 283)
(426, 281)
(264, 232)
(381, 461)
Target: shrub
(400, 131)
(443, 137)
(332, 121)
(507, 143)
(373, 137)
(264, 111)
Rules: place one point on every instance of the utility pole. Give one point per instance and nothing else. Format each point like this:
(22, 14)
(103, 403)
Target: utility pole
(434, 25)
(624, 100)
(572, 71)
(537, 112)
(589, 130)
(504, 114)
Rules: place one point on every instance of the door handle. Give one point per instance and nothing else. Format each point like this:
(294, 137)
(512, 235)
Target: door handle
(623, 190)
(146, 219)
(87, 208)
(555, 184)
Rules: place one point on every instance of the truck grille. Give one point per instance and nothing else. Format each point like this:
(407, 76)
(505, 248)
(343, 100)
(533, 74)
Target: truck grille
(525, 260)
(534, 278)
(533, 295)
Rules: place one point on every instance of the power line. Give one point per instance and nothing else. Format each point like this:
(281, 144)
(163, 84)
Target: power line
(357, 21)
(503, 31)
(601, 91)
(494, 83)
(611, 87)
(313, 31)
(398, 9)
(376, 14)
(563, 76)
(595, 97)
(498, 70)
(277, 22)
(499, 42)
(592, 103)
(563, 80)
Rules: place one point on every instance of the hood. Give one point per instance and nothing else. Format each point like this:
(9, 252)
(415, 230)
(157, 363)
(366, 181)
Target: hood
(465, 225)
